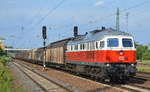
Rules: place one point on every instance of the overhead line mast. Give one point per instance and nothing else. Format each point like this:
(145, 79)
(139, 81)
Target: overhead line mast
(127, 21)
(117, 20)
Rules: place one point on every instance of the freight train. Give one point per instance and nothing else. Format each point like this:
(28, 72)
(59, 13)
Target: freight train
(105, 54)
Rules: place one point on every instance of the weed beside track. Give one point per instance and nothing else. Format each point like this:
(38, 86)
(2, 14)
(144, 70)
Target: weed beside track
(5, 75)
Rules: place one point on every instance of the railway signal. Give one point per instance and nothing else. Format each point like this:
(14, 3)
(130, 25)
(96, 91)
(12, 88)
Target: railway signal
(44, 32)
(44, 44)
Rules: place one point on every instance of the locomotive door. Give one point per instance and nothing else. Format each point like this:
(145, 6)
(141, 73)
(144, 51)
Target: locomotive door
(90, 55)
(92, 47)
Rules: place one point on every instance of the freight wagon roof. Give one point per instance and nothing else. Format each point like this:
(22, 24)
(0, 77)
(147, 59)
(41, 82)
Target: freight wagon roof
(40, 48)
(96, 35)
(59, 43)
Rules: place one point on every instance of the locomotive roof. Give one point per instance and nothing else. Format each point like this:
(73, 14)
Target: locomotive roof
(97, 35)
(59, 43)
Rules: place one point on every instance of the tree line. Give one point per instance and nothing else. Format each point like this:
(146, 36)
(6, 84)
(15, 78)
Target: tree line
(143, 53)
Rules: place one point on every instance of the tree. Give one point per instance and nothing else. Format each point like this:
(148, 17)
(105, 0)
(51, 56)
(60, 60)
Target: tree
(146, 55)
(2, 52)
(140, 52)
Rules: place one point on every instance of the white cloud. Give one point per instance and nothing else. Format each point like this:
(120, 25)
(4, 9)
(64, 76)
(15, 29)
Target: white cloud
(99, 3)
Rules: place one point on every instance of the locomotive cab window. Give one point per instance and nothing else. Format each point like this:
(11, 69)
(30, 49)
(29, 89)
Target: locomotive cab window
(112, 42)
(127, 42)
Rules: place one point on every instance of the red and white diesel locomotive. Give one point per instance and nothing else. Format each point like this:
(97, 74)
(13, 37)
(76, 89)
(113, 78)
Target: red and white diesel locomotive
(103, 54)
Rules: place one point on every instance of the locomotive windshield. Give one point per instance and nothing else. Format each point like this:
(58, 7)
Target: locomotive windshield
(112, 42)
(127, 42)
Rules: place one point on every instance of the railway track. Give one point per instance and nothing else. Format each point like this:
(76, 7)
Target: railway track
(148, 73)
(143, 75)
(142, 86)
(43, 82)
(134, 88)
(118, 87)
(127, 87)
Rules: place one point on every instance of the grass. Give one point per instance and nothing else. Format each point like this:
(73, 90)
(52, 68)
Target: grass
(146, 60)
(143, 69)
(5, 76)
(147, 63)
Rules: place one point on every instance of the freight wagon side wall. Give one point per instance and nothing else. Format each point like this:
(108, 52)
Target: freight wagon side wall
(34, 54)
(48, 55)
(56, 51)
(38, 55)
(55, 55)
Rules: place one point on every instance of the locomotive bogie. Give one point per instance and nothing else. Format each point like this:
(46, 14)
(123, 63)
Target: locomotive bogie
(120, 71)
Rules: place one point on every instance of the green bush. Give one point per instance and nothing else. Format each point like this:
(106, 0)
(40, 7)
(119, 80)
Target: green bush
(140, 52)
(5, 76)
(146, 55)
(143, 69)
(3, 60)
(2, 52)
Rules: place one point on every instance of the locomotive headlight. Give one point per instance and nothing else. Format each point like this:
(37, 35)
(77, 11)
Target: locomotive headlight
(132, 64)
(121, 53)
(107, 65)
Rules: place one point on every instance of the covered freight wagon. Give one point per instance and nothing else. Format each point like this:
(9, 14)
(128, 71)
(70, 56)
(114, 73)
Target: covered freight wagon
(56, 51)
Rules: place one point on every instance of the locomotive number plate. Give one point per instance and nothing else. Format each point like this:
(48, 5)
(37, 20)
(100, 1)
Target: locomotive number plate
(121, 58)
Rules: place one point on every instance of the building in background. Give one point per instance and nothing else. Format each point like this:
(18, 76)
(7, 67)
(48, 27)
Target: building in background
(13, 51)
(2, 46)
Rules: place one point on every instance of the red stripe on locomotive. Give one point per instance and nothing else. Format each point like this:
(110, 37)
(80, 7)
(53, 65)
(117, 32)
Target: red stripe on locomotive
(103, 56)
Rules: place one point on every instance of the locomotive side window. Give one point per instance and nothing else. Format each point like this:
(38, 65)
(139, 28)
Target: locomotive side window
(92, 45)
(127, 42)
(80, 46)
(83, 46)
(102, 44)
(76, 47)
(71, 47)
(88, 45)
(112, 42)
(96, 45)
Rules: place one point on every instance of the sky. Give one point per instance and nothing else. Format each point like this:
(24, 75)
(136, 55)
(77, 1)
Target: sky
(21, 21)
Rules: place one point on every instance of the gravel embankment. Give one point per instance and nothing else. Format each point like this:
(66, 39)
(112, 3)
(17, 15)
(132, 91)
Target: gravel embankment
(21, 82)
